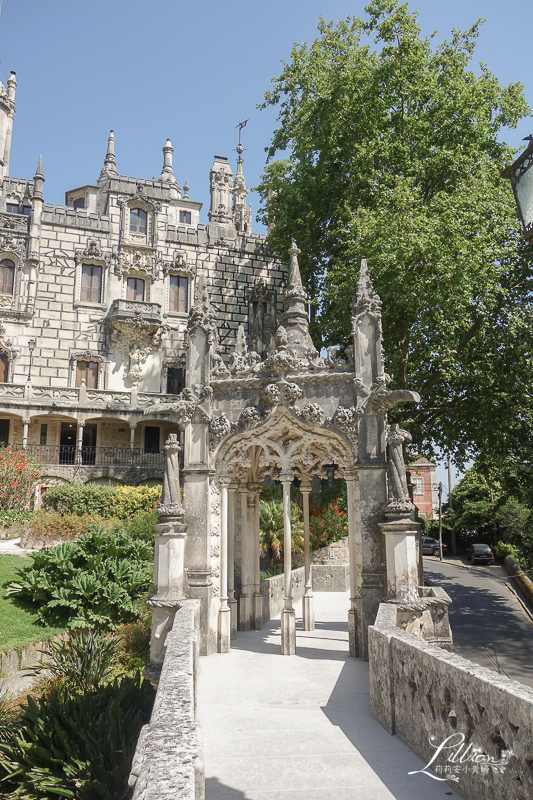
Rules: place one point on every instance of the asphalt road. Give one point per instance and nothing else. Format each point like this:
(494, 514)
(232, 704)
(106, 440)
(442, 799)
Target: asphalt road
(489, 624)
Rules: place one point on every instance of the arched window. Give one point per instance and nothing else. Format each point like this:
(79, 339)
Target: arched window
(7, 276)
(138, 220)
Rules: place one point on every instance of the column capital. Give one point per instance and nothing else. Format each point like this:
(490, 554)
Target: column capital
(349, 474)
(225, 480)
(286, 476)
(80, 423)
(26, 420)
(305, 487)
(132, 425)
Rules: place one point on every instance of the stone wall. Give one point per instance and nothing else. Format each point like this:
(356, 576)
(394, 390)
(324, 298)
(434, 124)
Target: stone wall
(273, 592)
(334, 553)
(424, 694)
(168, 762)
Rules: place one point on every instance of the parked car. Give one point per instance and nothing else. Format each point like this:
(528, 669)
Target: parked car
(431, 547)
(481, 553)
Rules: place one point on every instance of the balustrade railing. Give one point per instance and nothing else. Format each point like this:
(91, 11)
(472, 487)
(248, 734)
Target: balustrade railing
(70, 455)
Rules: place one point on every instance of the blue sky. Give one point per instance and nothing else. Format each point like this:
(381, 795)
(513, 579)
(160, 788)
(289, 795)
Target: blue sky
(188, 70)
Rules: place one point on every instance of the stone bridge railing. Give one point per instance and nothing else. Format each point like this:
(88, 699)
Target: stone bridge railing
(427, 697)
(168, 762)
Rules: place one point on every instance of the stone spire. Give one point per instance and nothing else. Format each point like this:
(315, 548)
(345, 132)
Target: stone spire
(295, 319)
(167, 173)
(38, 180)
(110, 163)
(242, 217)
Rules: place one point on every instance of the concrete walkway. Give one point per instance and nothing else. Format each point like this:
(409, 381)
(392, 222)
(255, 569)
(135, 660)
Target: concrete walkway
(299, 728)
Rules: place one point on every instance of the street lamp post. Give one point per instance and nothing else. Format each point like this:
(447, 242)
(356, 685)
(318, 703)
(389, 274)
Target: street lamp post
(521, 176)
(31, 348)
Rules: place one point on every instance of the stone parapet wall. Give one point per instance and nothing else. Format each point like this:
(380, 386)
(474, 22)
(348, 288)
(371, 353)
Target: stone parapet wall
(168, 762)
(273, 592)
(418, 691)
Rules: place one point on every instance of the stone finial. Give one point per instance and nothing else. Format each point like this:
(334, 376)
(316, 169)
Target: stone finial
(167, 173)
(110, 163)
(11, 86)
(186, 191)
(170, 505)
(295, 319)
(366, 300)
(38, 180)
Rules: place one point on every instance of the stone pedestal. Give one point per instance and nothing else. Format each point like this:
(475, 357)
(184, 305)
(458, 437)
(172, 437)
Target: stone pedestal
(402, 564)
(288, 632)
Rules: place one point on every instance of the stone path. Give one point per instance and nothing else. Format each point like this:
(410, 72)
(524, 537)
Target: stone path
(299, 728)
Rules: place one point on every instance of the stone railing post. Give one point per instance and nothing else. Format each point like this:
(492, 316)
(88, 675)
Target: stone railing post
(224, 614)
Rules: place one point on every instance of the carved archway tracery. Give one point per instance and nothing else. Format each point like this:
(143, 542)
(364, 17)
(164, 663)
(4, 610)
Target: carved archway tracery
(283, 442)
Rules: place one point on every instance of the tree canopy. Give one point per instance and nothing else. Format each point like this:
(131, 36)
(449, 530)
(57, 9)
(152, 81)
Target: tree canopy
(389, 148)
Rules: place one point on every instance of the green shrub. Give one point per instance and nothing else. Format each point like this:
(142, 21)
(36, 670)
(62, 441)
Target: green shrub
(503, 549)
(78, 747)
(96, 582)
(131, 500)
(80, 663)
(120, 502)
(7, 518)
(141, 526)
(133, 643)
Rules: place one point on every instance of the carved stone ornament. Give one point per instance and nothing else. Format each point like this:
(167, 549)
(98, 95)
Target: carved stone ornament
(201, 314)
(282, 359)
(243, 361)
(12, 244)
(272, 394)
(346, 420)
(180, 263)
(138, 260)
(249, 417)
(219, 427)
(93, 252)
(313, 413)
(135, 340)
(182, 409)
(218, 368)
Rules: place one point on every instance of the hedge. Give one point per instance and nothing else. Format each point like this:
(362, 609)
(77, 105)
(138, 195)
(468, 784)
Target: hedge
(120, 502)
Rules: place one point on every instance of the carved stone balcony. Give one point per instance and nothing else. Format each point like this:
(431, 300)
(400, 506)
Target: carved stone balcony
(135, 314)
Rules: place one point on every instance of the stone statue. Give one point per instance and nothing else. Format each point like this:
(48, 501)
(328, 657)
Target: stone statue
(399, 500)
(170, 504)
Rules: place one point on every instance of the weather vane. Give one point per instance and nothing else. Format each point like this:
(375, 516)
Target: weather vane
(239, 147)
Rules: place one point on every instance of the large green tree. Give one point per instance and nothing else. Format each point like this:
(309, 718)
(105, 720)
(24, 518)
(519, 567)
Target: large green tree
(389, 148)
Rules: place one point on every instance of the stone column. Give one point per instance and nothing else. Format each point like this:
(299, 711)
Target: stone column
(307, 603)
(245, 600)
(79, 442)
(355, 548)
(257, 598)
(25, 425)
(224, 614)
(169, 558)
(232, 602)
(133, 426)
(288, 616)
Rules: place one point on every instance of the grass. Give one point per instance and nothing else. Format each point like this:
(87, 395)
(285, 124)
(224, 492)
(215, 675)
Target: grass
(18, 619)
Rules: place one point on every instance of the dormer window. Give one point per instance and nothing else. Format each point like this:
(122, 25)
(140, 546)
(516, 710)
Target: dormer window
(135, 289)
(185, 216)
(178, 299)
(138, 220)
(79, 203)
(7, 276)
